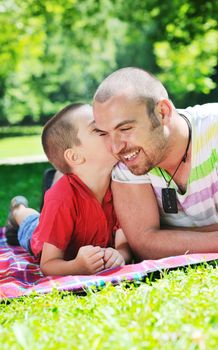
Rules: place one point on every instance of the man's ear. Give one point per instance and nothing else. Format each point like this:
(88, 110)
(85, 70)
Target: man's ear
(164, 108)
(73, 157)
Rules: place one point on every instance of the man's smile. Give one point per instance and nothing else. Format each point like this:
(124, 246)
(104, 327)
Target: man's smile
(129, 156)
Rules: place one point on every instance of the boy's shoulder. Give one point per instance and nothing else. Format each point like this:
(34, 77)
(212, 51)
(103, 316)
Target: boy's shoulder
(62, 189)
(69, 186)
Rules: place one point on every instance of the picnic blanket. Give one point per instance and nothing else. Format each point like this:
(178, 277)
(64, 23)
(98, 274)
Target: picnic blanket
(20, 274)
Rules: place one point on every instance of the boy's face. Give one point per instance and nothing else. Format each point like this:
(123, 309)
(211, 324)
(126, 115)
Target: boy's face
(92, 146)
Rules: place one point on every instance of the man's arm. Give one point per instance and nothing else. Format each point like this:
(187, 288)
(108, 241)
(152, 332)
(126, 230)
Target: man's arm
(209, 228)
(138, 215)
(122, 246)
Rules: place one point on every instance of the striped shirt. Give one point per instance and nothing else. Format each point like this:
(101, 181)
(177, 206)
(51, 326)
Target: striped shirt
(198, 206)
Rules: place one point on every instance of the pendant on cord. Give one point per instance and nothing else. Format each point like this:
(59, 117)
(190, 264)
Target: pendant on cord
(169, 194)
(169, 200)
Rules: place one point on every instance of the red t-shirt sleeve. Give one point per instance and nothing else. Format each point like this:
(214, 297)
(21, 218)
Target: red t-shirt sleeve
(56, 224)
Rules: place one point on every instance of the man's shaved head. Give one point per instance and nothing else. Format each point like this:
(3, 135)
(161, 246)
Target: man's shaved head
(134, 82)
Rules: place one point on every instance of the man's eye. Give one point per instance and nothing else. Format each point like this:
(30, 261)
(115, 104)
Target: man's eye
(126, 129)
(99, 132)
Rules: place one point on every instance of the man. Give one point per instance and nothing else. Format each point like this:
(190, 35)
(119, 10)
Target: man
(168, 198)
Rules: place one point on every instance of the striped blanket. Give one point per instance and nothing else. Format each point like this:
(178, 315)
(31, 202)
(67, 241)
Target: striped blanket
(20, 274)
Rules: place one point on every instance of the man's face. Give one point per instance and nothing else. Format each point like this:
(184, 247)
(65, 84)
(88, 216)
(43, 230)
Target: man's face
(92, 144)
(130, 134)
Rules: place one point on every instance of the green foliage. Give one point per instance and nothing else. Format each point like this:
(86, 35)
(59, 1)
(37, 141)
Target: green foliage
(198, 75)
(55, 51)
(178, 311)
(183, 40)
(61, 49)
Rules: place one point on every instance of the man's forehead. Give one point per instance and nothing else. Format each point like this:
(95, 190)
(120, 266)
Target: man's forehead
(120, 97)
(114, 122)
(115, 105)
(115, 108)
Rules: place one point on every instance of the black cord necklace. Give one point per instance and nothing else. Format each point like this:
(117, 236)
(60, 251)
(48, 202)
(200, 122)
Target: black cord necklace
(169, 200)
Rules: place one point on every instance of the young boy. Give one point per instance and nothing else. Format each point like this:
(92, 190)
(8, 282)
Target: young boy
(75, 232)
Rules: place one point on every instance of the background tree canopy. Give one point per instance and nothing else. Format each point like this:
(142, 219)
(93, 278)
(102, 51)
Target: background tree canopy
(57, 51)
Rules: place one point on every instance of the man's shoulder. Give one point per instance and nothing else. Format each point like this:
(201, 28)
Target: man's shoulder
(201, 111)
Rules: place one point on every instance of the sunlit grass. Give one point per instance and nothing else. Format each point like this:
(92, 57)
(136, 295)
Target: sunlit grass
(178, 311)
(19, 141)
(20, 146)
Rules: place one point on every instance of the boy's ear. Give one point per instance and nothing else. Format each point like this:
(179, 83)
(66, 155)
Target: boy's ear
(164, 108)
(73, 157)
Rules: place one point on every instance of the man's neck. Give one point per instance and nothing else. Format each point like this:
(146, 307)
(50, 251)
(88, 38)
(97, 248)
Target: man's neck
(177, 145)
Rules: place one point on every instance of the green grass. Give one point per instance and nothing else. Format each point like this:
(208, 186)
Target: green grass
(20, 141)
(20, 179)
(178, 311)
(20, 146)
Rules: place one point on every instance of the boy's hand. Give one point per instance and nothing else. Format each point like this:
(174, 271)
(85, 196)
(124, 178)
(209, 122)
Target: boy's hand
(112, 258)
(90, 260)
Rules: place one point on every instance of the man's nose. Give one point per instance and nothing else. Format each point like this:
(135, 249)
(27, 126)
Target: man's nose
(117, 144)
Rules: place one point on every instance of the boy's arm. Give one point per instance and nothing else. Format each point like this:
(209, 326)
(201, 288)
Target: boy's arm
(89, 260)
(119, 256)
(122, 246)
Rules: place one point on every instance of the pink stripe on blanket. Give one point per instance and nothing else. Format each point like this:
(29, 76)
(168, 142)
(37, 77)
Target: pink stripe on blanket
(20, 274)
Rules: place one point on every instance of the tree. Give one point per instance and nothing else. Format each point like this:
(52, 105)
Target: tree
(57, 51)
(183, 40)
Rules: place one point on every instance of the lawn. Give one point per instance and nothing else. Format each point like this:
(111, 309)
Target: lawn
(20, 179)
(20, 141)
(177, 311)
(20, 146)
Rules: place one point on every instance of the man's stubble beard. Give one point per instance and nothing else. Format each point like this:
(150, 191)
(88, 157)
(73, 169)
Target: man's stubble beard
(160, 148)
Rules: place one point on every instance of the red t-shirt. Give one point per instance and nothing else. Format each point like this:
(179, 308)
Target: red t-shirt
(72, 217)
